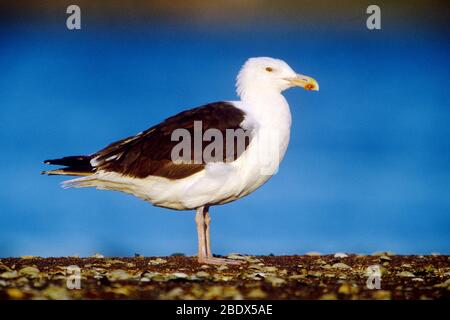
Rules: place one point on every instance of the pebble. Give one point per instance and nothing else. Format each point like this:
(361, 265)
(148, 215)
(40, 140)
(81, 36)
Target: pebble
(445, 284)
(383, 253)
(157, 261)
(270, 269)
(15, 293)
(222, 268)
(118, 274)
(345, 289)
(340, 255)
(28, 257)
(406, 274)
(202, 274)
(9, 275)
(297, 277)
(172, 294)
(180, 275)
(256, 293)
(381, 295)
(237, 256)
(314, 274)
(329, 296)
(340, 265)
(275, 281)
(31, 272)
(55, 293)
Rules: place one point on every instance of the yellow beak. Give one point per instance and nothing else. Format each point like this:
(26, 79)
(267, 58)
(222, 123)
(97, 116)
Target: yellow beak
(305, 82)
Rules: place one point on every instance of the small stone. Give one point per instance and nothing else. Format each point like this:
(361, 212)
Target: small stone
(381, 295)
(320, 261)
(31, 272)
(202, 274)
(275, 281)
(340, 265)
(236, 256)
(418, 279)
(9, 275)
(4, 268)
(296, 277)
(255, 266)
(329, 296)
(256, 293)
(98, 256)
(28, 257)
(204, 266)
(348, 289)
(385, 258)
(314, 274)
(340, 255)
(123, 291)
(406, 265)
(180, 275)
(55, 293)
(230, 292)
(383, 253)
(172, 294)
(313, 254)
(213, 292)
(406, 274)
(445, 284)
(256, 276)
(15, 293)
(118, 274)
(157, 261)
(270, 269)
(222, 267)
(344, 289)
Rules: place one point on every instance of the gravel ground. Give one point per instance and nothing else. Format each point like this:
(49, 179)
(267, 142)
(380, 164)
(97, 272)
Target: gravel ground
(313, 276)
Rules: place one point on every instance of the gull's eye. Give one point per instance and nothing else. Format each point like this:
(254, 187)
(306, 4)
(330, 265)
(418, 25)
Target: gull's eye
(269, 69)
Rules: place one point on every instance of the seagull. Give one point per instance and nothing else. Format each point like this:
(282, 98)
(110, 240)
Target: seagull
(202, 157)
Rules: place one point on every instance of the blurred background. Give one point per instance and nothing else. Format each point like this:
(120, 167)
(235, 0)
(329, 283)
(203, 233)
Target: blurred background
(368, 164)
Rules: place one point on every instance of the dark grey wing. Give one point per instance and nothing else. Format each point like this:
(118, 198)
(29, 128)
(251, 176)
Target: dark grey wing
(149, 153)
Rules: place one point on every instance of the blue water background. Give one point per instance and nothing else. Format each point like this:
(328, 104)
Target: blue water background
(368, 167)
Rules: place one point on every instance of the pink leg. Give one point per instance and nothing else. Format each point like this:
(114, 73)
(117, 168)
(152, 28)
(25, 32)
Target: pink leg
(203, 221)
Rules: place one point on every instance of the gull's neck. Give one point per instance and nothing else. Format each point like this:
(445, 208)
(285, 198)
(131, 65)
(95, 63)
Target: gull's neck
(268, 106)
(269, 113)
